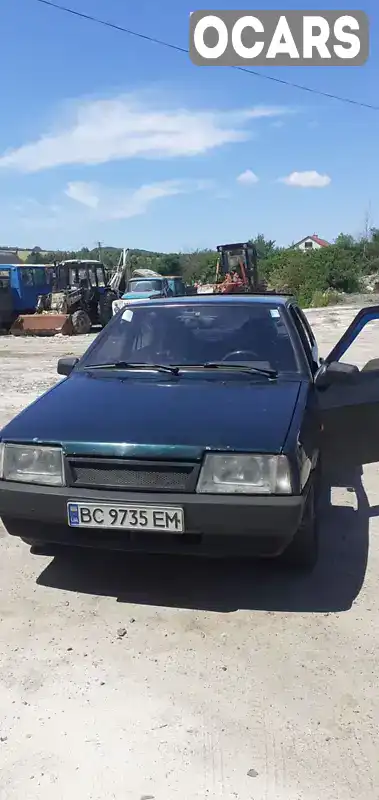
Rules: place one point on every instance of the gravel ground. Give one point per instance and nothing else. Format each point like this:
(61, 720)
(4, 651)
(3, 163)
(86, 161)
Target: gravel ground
(165, 678)
(369, 299)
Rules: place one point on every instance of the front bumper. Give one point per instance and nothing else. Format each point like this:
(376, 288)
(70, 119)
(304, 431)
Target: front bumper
(214, 525)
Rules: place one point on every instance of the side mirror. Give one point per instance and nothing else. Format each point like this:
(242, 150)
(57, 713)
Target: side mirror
(371, 366)
(66, 365)
(335, 373)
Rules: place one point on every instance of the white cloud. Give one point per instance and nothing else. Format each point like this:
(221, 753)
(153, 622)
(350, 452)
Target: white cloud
(123, 128)
(83, 192)
(82, 207)
(222, 195)
(83, 212)
(307, 179)
(111, 204)
(248, 177)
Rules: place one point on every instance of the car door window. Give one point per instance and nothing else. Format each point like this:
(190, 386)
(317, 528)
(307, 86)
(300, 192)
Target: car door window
(92, 277)
(100, 277)
(365, 317)
(27, 277)
(305, 336)
(39, 276)
(4, 280)
(348, 401)
(306, 325)
(73, 276)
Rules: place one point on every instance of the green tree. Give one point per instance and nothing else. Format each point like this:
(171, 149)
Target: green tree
(345, 240)
(303, 274)
(200, 265)
(265, 247)
(171, 264)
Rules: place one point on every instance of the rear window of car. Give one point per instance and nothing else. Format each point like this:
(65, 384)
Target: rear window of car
(248, 333)
(145, 286)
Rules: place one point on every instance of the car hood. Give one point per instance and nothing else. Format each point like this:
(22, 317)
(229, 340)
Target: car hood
(159, 416)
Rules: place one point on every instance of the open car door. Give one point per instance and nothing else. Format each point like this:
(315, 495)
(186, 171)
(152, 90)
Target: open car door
(348, 402)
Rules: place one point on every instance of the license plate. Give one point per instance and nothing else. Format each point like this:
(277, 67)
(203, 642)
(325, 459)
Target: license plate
(129, 518)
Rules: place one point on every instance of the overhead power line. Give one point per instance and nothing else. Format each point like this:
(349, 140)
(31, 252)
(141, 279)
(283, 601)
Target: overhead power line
(171, 46)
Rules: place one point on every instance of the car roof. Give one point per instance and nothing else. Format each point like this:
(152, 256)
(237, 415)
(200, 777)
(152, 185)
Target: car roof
(217, 299)
(81, 261)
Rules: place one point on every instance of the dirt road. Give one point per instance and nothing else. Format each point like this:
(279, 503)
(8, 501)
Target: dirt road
(138, 678)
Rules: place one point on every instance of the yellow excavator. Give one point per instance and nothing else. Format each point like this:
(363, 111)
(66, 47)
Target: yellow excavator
(237, 269)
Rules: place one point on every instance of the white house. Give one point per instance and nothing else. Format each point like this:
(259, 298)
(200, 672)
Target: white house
(311, 243)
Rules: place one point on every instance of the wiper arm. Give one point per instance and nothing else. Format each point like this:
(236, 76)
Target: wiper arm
(133, 365)
(270, 373)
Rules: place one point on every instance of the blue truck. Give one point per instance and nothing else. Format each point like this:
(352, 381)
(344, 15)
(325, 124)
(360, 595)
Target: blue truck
(20, 287)
(67, 297)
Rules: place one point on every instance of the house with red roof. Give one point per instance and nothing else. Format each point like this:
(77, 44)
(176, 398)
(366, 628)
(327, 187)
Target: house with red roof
(311, 243)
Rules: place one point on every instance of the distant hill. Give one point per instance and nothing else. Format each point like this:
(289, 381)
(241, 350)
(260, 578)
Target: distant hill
(8, 256)
(19, 255)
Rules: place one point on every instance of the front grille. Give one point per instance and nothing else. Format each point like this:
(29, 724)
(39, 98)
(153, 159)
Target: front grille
(132, 475)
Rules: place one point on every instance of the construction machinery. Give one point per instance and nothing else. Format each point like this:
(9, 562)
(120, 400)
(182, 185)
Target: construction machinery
(237, 269)
(20, 287)
(79, 297)
(119, 280)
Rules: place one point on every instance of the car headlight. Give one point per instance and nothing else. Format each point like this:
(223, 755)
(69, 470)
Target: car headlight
(32, 464)
(244, 474)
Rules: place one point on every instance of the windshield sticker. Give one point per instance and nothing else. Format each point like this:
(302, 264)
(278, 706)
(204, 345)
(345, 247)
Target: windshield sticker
(274, 313)
(127, 315)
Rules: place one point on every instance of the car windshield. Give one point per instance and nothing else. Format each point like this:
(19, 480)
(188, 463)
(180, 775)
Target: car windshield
(145, 286)
(249, 333)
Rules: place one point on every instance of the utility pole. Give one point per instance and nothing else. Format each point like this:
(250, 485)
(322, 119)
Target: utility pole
(99, 246)
(368, 226)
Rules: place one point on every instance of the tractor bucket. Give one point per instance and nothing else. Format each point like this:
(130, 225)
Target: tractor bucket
(42, 325)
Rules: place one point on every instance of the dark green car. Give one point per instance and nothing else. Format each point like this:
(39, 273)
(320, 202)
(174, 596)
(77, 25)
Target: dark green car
(191, 425)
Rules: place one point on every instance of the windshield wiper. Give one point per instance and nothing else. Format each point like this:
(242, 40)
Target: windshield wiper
(175, 369)
(269, 373)
(133, 365)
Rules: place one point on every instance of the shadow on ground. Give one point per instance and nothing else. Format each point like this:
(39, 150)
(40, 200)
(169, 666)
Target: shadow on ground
(184, 582)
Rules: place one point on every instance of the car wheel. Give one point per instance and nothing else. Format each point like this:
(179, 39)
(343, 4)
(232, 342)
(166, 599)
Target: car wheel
(81, 322)
(302, 552)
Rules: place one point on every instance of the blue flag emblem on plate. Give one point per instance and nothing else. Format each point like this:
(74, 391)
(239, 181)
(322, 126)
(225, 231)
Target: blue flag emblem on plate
(73, 514)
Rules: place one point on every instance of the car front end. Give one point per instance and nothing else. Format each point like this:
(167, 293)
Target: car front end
(220, 504)
(144, 448)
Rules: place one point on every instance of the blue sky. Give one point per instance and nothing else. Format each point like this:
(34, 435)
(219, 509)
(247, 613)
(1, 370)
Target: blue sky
(107, 137)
